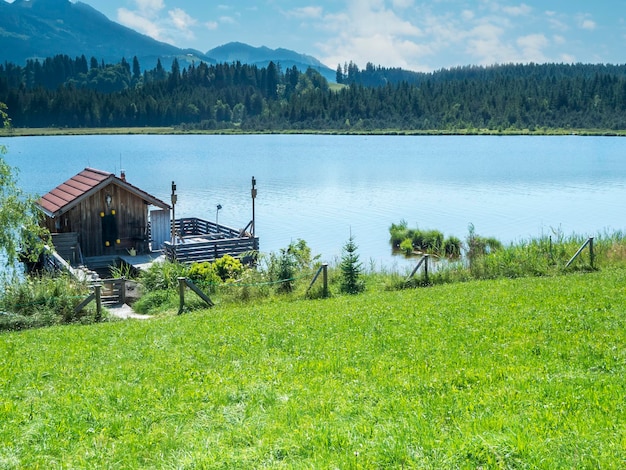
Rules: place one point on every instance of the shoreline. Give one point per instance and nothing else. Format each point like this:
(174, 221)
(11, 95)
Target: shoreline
(41, 132)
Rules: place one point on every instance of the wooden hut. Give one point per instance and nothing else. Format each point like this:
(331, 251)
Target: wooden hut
(96, 213)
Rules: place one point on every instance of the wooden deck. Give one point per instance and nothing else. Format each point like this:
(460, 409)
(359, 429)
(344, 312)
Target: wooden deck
(200, 240)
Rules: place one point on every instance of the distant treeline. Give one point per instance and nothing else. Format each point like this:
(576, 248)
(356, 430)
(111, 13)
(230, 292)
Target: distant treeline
(66, 92)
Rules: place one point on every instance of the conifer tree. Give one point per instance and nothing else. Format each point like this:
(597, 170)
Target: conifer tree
(351, 269)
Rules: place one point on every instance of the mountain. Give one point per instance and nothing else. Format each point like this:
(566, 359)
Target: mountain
(36, 29)
(261, 56)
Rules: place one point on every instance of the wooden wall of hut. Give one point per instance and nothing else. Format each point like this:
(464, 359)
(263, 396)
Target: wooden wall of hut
(128, 211)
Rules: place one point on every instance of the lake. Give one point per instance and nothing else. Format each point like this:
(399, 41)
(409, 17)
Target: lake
(324, 188)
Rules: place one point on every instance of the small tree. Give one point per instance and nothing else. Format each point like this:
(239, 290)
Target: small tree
(284, 267)
(20, 233)
(351, 269)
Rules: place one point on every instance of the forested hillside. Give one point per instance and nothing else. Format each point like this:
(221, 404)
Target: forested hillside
(65, 92)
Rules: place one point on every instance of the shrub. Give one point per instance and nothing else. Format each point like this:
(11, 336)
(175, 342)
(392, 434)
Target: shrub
(452, 247)
(204, 275)
(432, 241)
(282, 270)
(406, 246)
(228, 268)
(162, 275)
(399, 233)
(283, 267)
(428, 241)
(152, 301)
(42, 301)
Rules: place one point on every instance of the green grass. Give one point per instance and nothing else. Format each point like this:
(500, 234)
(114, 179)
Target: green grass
(524, 373)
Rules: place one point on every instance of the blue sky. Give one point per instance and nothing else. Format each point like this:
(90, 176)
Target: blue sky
(412, 34)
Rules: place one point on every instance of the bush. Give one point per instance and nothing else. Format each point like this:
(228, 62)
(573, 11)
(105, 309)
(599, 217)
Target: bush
(204, 275)
(406, 246)
(228, 268)
(43, 301)
(432, 241)
(452, 247)
(155, 300)
(399, 233)
(282, 268)
(428, 241)
(162, 276)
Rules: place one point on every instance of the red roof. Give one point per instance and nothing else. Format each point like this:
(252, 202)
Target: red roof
(68, 194)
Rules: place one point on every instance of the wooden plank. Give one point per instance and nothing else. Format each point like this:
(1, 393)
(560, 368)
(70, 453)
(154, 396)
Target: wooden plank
(200, 294)
(84, 303)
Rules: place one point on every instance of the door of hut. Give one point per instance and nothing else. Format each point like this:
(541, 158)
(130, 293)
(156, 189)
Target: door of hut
(160, 228)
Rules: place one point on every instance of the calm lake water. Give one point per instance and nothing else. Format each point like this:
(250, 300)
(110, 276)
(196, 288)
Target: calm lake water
(322, 188)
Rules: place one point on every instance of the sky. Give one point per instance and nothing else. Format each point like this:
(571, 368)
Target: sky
(412, 34)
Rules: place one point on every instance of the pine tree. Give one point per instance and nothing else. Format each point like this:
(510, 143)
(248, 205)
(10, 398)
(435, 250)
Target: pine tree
(351, 268)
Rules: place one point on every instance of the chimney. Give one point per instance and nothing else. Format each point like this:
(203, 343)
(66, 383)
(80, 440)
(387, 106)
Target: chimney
(123, 175)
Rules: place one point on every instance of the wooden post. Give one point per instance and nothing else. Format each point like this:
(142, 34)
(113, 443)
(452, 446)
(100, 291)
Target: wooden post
(325, 279)
(98, 292)
(181, 294)
(551, 258)
(426, 268)
(174, 200)
(253, 192)
(122, 290)
(200, 294)
(588, 242)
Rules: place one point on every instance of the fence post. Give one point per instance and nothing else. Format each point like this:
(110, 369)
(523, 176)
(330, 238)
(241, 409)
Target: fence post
(591, 256)
(426, 268)
(123, 290)
(181, 294)
(325, 278)
(551, 257)
(98, 293)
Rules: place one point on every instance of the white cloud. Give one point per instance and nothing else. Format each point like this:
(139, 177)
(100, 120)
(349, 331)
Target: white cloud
(532, 47)
(370, 31)
(305, 13)
(148, 18)
(140, 23)
(403, 4)
(557, 24)
(484, 42)
(521, 10)
(211, 25)
(588, 24)
(150, 8)
(181, 19)
(227, 20)
(468, 15)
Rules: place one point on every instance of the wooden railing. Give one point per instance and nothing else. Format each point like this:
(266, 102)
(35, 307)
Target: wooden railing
(210, 250)
(192, 227)
(114, 291)
(200, 240)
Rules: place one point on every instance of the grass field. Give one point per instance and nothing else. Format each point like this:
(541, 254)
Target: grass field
(524, 373)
